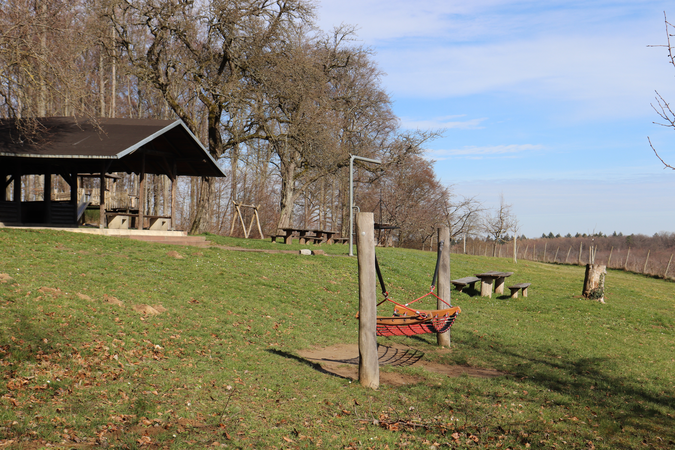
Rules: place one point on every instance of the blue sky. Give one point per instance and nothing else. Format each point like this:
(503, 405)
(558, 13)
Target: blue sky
(545, 102)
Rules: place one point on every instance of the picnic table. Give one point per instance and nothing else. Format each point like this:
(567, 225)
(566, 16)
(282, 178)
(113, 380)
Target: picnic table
(486, 280)
(304, 235)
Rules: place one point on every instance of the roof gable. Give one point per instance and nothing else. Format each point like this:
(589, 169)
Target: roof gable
(67, 141)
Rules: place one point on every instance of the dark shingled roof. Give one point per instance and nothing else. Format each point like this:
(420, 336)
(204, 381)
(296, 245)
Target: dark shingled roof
(70, 144)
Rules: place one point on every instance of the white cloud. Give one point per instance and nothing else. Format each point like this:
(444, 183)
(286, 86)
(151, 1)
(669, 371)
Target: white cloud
(446, 122)
(579, 68)
(481, 152)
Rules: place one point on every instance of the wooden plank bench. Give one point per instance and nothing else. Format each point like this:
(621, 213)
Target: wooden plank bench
(281, 238)
(310, 239)
(340, 240)
(516, 287)
(461, 283)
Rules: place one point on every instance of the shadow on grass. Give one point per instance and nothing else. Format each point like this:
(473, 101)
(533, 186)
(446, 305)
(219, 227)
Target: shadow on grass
(387, 356)
(26, 341)
(313, 365)
(586, 382)
(468, 291)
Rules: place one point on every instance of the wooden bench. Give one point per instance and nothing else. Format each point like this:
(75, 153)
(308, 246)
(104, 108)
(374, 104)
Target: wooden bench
(281, 238)
(461, 283)
(516, 287)
(310, 239)
(340, 240)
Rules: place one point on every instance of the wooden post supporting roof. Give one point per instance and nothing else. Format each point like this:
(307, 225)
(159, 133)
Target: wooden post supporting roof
(369, 369)
(47, 196)
(101, 201)
(141, 195)
(443, 339)
(17, 191)
(174, 182)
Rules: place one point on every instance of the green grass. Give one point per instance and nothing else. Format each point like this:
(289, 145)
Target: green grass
(266, 244)
(221, 364)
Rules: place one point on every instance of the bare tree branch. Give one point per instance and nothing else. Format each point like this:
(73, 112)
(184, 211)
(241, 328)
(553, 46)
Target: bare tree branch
(668, 166)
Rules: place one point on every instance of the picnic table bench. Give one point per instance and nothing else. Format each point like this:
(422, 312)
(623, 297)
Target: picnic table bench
(486, 280)
(461, 283)
(304, 235)
(516, 287)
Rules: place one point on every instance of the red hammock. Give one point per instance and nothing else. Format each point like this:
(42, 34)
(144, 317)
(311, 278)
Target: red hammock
(419, 322)
(408, 321)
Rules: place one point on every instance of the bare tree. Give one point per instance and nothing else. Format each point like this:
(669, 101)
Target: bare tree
(43, 45)
(498, 223)
(324, 102)
(411, 198)
(662, 107)
(461, 214)
(205, 52)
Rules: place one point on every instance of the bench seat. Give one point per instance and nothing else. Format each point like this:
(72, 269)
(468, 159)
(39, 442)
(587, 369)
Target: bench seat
(281, 237)
(461, 283)
(516, 287)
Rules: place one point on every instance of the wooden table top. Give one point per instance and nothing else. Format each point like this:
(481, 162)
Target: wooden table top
(494, 274)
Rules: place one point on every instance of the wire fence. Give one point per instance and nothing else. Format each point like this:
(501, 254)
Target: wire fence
(656, 263)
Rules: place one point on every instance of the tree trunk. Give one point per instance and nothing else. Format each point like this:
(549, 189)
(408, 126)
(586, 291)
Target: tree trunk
(234, 194)
(202, 218)
(287, 195)
(594, 282)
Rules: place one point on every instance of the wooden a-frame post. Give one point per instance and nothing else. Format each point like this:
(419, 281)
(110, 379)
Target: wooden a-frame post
(369, 369)
(443, 289)
(247, 232)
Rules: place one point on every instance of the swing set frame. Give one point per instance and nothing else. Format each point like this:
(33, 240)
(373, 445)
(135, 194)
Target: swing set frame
(247, 232)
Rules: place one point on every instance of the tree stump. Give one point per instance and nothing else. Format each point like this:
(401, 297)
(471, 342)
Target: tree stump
(594, 282)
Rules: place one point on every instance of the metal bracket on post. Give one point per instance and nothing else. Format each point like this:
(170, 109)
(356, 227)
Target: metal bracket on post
(351, 197)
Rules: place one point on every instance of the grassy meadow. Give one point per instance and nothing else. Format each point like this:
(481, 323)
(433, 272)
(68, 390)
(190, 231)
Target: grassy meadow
(85, 363)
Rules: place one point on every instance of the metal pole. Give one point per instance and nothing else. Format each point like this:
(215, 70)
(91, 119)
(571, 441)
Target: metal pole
(351, 197)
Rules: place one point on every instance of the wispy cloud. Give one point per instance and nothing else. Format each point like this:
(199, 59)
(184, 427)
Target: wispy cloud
(446, 122)
(591, 54)
(483, 152)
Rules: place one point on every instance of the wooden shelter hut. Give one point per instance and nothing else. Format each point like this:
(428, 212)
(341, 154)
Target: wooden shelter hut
(79, 149)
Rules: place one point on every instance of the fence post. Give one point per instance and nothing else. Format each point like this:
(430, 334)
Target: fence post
(625, 267)
(369, 369)
(665, 275)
